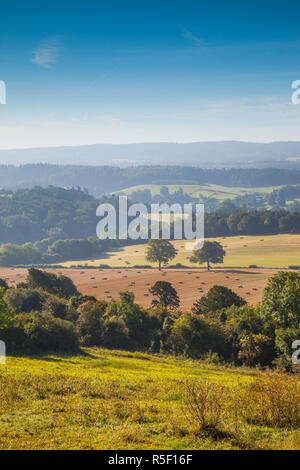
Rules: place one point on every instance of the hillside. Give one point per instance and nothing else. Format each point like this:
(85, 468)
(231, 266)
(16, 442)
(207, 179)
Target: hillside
(104, 399)
(105, 179)
(206, 154)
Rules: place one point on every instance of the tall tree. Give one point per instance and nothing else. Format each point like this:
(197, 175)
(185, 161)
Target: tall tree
(217, 298)
(211, 252)
(160, 251)
(165, 293)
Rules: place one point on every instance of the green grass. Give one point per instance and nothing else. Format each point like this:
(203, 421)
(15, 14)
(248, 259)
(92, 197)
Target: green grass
(275, 251)
(209, 190)
(115, 400)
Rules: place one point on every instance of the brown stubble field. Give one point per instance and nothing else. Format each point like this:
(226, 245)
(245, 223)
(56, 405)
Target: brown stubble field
(190, 284)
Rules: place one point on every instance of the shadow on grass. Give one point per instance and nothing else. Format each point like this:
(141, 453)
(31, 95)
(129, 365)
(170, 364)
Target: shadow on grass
(48, 355)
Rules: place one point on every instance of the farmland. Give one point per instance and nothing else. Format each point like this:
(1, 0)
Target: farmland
(206, 190)
(190, 284)
(274, 251)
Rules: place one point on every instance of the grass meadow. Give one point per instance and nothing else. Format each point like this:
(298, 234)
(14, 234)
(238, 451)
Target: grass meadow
(103, 399)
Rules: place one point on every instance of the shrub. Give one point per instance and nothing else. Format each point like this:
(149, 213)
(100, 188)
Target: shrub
(46, 333)
(217, 298)
(55, 306)
(24, 300)
(59, 285)
(89, 325)
(281, 300)
(14, 338)
(256, 349)
(273, 400)
(204, 405)
(3, 284)
(115, 333)
(193, 336)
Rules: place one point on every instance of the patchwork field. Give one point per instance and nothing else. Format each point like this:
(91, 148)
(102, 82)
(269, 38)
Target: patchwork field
(272, 251)
(206, 190)
(190, 284)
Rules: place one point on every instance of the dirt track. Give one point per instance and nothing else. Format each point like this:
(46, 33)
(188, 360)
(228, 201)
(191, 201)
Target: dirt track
(107, 283)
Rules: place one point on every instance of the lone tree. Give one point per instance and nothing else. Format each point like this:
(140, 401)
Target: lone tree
(211, 252)
(160, 251)
(217, 298)
(167, 295)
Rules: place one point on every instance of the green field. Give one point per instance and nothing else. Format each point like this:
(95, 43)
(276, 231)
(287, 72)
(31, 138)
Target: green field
(120, 400)
(275, 251)
(207, 191)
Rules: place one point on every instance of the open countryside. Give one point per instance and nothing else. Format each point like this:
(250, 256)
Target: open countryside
(269, 251)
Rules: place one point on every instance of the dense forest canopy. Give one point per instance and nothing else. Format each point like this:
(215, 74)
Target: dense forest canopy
(102, 179)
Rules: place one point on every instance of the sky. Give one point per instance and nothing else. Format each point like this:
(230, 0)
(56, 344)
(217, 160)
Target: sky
(94, 71)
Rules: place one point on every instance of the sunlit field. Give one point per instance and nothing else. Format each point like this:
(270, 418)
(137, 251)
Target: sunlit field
(274, 251)
(207, 190)
(120, 400)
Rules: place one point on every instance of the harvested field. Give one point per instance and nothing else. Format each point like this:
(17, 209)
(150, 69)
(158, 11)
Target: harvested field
(107, 283)
(270, 251)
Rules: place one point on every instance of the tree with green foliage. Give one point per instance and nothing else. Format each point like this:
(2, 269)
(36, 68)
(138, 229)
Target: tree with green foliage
(46, 333)
(281, 300)
(256, 349)
(193, 336)
(25, 300)
(166, 295)
(217, 298)
(7, 317)
(3, 284)
(160, 251)
(61, 285)
(211, 252)
(89, 325)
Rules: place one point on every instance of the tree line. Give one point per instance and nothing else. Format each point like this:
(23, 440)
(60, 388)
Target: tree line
(105, 179)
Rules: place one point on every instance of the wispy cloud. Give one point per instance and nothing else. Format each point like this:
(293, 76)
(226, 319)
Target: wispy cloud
(198, 42)
(48, 52)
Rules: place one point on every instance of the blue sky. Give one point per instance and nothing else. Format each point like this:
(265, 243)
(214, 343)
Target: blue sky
(84, 72)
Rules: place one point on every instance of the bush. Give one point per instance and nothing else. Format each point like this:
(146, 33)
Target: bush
(46, 333)
(14, 338)
(56, 307)
(217, 298)
(205, 408)
(193, 336)
(273, 400)
(89, 325)
(3, 284)
(58, 285)
(24, 300)
(115, 334)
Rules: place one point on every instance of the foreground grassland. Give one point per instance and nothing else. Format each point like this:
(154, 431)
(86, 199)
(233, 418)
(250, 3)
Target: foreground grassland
(273, 251)
(119, 400)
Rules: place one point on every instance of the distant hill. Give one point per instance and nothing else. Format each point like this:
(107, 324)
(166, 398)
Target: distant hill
(105, 179)
(204, 154)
